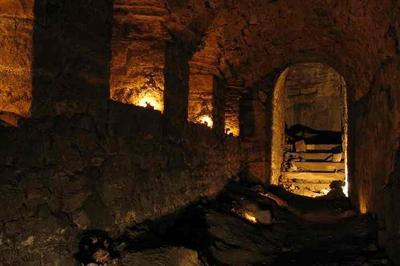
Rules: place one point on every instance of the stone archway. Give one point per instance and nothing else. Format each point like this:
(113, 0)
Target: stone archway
(309, 130)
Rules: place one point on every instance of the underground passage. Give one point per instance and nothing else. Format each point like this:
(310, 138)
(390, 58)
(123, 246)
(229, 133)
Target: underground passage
(310, 160)
(199, 132)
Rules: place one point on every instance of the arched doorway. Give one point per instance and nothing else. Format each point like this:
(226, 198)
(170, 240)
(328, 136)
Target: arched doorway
(309, 130)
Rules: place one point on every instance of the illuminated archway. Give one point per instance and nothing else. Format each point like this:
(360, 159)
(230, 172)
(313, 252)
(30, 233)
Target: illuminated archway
(309, 130)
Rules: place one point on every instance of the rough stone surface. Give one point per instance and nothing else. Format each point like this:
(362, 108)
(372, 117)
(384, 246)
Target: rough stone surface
(231, 103)
(314, 97)
(16, 30)
(80, 163)
(201, 99)
(104, 171)
(224, 236)
(166, 256)
(71, 56)
(138, 52)
(375, 174)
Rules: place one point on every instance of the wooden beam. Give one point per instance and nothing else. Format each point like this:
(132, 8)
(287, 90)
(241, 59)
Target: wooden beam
(319, 166)
(314, 156)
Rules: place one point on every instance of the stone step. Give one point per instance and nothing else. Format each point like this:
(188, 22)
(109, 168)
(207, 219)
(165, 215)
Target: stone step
(312, 156)
(318, 166)
(313, 177)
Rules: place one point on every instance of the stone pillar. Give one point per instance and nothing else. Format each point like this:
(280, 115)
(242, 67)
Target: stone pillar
(16, 34)
(256, 143)
(71, 56)
(260, 137)
(138, 53)
(219, 106)
(176, 88)
(193, 88)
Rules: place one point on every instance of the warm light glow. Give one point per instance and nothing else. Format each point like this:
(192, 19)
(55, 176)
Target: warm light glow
(232, 130)
(144, 90)
(206, 120)
(150, 102)
(363, 208)
(346, 170)
(325, 191)
(345, 138)
(250, 217)
(362, 204)
(278, 128)
(346, 184)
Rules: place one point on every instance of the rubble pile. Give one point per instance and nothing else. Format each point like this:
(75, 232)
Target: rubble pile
(216, 232)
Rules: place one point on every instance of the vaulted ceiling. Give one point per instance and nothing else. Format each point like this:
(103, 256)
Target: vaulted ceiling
(249, 39)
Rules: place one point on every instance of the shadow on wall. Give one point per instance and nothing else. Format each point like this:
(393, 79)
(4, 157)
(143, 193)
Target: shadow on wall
(71, 55)
(246, 113)
(391, 237)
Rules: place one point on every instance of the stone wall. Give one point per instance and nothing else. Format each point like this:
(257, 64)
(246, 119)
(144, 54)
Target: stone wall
(16, 31)
(138, 52)
(96, 163)
(314, 97)
(231, 110)
(201, 99)
(375, 146)
(107, 170)
(276, 132)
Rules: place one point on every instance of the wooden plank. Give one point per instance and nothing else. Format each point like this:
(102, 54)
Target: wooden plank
(314, 156)
(318, 166)
(322, 147)
(308, 189)
(306, 185)
(314, 176)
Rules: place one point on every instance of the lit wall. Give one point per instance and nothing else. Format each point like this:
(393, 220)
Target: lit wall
(231, 115)
(278, 127)
(314, 97)
(138, 54)
(16, 33)
(201, 99)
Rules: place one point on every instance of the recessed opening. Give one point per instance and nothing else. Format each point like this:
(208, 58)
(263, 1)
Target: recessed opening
(231, 111)
(145, 93)
(201, 98)
(309, 131)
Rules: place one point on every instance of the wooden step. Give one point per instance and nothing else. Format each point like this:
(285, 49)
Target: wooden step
(310, 156)
(307, 193)
(322, 147)
(307, 189)
(314, 177)
(306, 185)
(318, 166)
